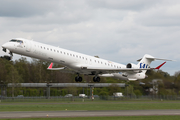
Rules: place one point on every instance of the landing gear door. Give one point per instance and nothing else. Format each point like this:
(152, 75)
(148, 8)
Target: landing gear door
(28, 46)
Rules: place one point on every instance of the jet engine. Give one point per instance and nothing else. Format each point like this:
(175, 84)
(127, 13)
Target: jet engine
(131, 65)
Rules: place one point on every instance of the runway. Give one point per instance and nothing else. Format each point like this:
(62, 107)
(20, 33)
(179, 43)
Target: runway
(36, 114)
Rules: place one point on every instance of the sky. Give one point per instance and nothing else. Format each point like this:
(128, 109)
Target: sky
(118, 30)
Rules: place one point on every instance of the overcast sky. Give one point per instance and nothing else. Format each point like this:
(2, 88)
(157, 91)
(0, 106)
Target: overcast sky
(118, 30)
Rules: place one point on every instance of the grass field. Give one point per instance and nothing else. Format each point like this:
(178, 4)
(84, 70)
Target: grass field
(90, 105)
(107, 118)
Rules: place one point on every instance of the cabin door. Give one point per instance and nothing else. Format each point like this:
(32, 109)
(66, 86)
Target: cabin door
(28, 46)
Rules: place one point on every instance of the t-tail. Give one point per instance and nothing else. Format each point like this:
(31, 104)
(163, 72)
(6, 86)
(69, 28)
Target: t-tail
(146, 61)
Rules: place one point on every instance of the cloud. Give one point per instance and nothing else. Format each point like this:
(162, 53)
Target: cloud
(120, 31)
(164, 15)
(20, 8)
(121, 5)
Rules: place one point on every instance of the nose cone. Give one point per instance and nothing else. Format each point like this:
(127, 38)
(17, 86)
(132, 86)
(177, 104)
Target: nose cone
(6, 45)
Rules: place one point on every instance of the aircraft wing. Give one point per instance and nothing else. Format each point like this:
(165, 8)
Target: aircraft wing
(62, 69)
(102, 70)
(50, 67)
(115, 70)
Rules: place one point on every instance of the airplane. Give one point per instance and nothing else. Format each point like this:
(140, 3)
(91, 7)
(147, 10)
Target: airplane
(80, 63)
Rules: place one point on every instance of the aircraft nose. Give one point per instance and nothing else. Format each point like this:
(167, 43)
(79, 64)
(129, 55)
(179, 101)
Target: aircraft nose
(5, 45)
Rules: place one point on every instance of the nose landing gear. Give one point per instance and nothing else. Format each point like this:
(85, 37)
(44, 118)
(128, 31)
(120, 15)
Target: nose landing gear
(4, 49)
(11, 54)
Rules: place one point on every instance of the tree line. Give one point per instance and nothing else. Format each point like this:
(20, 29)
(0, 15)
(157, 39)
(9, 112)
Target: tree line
(35, 71)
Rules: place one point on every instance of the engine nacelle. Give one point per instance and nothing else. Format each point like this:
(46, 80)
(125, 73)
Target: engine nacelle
(141, 76)
(131, 65)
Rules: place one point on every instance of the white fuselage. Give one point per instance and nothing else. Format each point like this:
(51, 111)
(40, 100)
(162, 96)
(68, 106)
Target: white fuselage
(70, 59)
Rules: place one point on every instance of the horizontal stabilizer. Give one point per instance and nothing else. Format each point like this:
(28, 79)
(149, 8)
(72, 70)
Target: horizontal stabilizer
(153, 58)
(159, 59)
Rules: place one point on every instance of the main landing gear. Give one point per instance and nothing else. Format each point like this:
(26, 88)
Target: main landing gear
(79, 79)
(96, 79)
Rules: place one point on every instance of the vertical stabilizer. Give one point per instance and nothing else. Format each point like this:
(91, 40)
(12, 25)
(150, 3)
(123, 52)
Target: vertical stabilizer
(145, 62)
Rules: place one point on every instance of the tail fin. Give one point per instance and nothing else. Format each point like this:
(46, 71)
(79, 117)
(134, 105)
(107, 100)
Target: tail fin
(146, 61)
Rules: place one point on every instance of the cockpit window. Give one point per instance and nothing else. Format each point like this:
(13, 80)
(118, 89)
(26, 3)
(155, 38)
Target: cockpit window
(13, 41)
(19, 41)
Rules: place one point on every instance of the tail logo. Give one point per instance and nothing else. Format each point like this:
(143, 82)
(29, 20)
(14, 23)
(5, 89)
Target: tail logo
(142, 65)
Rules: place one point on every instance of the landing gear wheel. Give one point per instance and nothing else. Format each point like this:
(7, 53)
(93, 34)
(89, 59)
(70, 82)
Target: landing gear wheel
(78, 79)
(96, 79)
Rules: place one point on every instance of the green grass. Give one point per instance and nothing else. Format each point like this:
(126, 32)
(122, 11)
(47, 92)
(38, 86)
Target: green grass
(107, 118)
(101, 105)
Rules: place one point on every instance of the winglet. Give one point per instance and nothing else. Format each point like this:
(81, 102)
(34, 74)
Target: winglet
(160, 65)
(50, 66)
